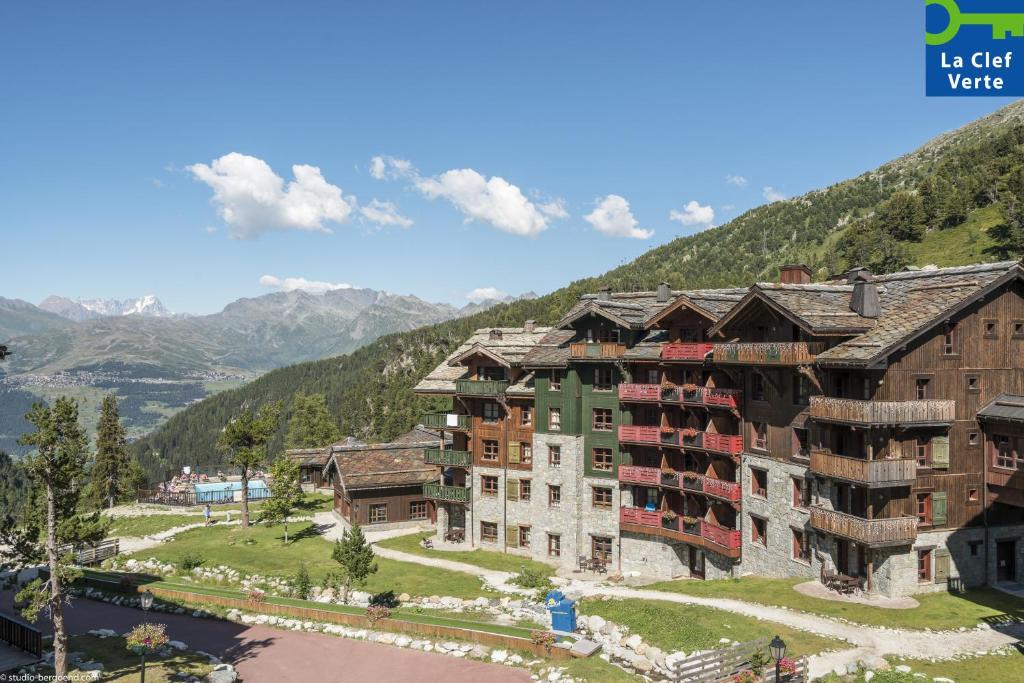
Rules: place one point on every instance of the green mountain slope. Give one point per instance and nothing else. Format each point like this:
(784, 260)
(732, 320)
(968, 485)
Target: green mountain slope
(19, 317)
(370, 391)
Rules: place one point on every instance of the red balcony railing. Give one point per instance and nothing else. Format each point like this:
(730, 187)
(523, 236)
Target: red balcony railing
(640, 516)
(634, 474)
(720, 488)
(727, 538)
(727, 398)
(686, 351)
(639, 434)
(728, 444)
(639, 392)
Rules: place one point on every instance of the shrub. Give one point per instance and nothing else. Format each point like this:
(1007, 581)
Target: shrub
(531, 578)
(146, 638)
(546, 639)
(256, 597)
(192, 561)
(302, 582)
(385, 599)
(747, 676)
(375, 613)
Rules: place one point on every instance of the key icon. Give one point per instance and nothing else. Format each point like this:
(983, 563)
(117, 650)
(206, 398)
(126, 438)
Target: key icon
(1003, 24)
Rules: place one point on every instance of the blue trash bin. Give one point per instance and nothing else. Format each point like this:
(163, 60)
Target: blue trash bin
(563, 611)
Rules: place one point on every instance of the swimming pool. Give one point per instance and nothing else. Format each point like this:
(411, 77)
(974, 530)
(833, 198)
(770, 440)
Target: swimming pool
(224, 491)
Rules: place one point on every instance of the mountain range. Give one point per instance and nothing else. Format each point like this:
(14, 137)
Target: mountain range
(369, 391)
(90, 309)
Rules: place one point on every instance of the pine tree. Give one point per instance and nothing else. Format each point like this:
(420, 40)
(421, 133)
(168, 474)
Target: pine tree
(244, 441)
(311, 424)
(112, 466)
(902, 216)
(285, 493)
(56, 471)
(355, 556)
(1009, 234)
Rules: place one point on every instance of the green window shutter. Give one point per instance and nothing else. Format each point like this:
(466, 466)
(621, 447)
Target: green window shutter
(941, 565)
(940, 452)
(513, 453)
(512, 489)
(512, 536)
(938, 509)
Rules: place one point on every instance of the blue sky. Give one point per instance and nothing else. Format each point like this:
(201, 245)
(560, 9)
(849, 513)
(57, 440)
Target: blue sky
(526, 118)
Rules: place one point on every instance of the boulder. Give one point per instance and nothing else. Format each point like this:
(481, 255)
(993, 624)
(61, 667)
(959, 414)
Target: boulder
(904, 669)
(596, 623)
(499, 656)
(222, 676)
(177, 645)
(868, 675)
(90, 666)
(633, 642)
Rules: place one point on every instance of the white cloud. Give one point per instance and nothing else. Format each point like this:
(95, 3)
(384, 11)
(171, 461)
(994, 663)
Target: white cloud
(694, 214)
(384, 213)
(253, 200)
(613, 217)
(485, 294)
(290, 284)
(737, 180)
(210, 229)
(772, 195)
(554, 209)
(157, 183)
(390, 168)
(492, 200)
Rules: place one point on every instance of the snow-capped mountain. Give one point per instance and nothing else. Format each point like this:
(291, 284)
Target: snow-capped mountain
(91, 309)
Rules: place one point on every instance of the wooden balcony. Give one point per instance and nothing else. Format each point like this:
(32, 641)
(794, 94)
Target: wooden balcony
(871, 532)
(634, 474)
(637, 434)
(449, 421)
(768, 353)
(871, 473)
(720, 536)
(720, 488)
(639, 392)
(930, 412)
(451, 494)
(726, 444)
(481, 387)
(700, 533)
(437, 456)
(640, 516)
(596, 350)
(686, 351)
(709, 397)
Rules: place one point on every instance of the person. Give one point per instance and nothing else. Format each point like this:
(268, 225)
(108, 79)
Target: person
(206, 514)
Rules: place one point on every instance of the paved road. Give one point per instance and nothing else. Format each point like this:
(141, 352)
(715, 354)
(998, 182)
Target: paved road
(262, 654)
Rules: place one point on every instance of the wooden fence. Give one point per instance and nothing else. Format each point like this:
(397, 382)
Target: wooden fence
(92, 553)
(21, 635)
(721, 665)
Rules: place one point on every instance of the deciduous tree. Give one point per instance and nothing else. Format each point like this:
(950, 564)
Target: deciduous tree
(311, 424)
(285, 493)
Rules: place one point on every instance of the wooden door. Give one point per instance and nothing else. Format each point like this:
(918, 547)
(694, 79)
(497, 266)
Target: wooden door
(842, 556)
(1006, 561)
(696, 563)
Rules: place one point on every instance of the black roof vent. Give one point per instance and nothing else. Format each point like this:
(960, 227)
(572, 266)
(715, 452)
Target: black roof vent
(664, 292)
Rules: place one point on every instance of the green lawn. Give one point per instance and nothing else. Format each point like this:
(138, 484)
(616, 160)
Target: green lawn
(964, 243)
(938, 611)
(673, 626)
(985, 669)
(149, 524)
(261, 550)
(122, 666)
(488, 559)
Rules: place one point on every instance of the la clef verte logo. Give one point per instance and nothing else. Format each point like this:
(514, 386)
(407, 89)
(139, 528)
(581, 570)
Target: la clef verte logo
(970, 48)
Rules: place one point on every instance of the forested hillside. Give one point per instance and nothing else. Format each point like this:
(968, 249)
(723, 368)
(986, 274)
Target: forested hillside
(958, 199)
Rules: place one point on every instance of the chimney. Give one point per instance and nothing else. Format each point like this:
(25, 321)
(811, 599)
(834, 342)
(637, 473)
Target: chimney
(794, 274)
(495, 335)
(604, 294)
(530, 325)
(864, 301)
(664, 292)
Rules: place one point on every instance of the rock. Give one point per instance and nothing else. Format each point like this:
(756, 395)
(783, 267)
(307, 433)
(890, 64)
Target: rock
(942, 679)
(90, 666)
(653, 653)
(724, 641)
(633, 642)
(177, 645)
(596, 622)
(868, 675)
(499, 656)
(403, 641)
(554, 676)
(904, 669)
(851, 667)
(642, 664)
(874, 662)
(404, 597)
(222, 676)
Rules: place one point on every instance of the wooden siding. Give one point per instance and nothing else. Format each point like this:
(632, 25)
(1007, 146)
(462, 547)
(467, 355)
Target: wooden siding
(357, 503)
(508, 428)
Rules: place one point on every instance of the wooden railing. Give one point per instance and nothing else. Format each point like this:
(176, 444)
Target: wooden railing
(853, 411)
(705, 396)
(635, 474)
(18, 634)
(454, 494)
(437, 456)
(639, 392)
(689, 351)
(886, 472)
(727, 538)
(446, 421)
(729, 444)
(92, 553)
(596, 350)
(639, 434)
(720, 488)
(481, 387)
(874, 532)
(768, 353)
(712, 666)
(640, 516)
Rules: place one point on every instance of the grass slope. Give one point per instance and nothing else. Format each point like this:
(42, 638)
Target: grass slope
(488, 559)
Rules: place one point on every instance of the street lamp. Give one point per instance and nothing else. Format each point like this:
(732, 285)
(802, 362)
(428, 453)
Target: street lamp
(146, 600)
(778, 649)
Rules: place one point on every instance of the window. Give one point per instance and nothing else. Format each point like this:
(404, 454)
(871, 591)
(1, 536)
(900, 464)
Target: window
(608, 335)
(1018, 328)
(759, 482)
(556, 380)
(759, 530)
(923, 451)
(602, 497)
(923, 387)
(653, 377)
(602, 458)
(491, 412)
(801, 390)
(554, 495)
(378, 513)
(801, 549)
(866, 389)
(801, 446)
(601, 548)
(801, 492)
(524, 489)
(489, 532)
(526, 417)
(973, 383)
(991, 329)
(602, 419)
(972, 495)
(924, 565)
(949, 339)
(761, 436)
(490, 372)
(924, 508)
(418, 509)
(526, 453)
(555, 545)
(555, 456)
(488, 485)
(603, 379)
(306, 476)
(524, 537)
(490, 449)
(1007, 453)
(555, 419)
(757, 391)
(975, 547)
(972, 438)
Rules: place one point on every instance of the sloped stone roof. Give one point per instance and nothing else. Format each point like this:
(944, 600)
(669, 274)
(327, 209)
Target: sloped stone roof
(512, 348)
(382, 465)
(1004, 408)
